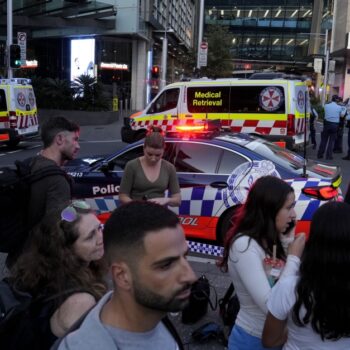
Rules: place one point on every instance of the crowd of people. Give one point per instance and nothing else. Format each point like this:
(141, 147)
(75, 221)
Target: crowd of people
(336, 118)
(293, 292)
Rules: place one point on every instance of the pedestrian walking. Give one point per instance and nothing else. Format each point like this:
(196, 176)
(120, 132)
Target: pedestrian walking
(60, 139)
(63, 272)
(332, 114)
(146, 250)
(149, 176)
(315, 306)
(259, 249)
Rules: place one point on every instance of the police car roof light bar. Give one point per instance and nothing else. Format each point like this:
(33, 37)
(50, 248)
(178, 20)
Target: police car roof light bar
(322, 193)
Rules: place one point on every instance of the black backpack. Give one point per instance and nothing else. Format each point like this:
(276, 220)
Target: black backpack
(229, 307)
(15, 186)
(25, 320)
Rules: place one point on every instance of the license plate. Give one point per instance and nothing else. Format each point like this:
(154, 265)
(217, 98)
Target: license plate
(29, 130)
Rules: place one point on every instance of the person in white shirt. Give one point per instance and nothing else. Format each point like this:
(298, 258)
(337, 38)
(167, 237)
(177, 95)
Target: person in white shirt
(255, 253)
(315, 306)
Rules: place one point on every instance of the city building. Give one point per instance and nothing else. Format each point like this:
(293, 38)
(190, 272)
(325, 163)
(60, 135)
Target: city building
(118, 42)
(272, 34)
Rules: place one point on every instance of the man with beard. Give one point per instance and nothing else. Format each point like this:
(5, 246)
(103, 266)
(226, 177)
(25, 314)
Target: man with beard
(60, 139)
(146, 250)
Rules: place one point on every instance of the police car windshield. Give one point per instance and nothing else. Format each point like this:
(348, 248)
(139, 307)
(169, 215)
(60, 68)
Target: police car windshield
(276, 154)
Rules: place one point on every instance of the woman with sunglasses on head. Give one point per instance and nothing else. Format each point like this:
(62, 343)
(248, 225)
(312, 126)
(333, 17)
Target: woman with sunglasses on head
(149, 176)
(63, 270)
(314, 306)
(259, 249)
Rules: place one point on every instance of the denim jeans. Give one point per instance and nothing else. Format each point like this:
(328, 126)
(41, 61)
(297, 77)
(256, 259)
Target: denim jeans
(241, 340)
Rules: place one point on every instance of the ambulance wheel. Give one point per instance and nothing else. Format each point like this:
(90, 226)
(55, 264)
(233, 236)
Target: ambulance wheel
(140, 135)
(12, 143)
(226, 224)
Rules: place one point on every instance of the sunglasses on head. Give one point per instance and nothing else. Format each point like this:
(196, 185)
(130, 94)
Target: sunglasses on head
(70, 214)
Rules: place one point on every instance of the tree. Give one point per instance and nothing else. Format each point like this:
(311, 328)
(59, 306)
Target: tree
(219, 57)
(89, 94)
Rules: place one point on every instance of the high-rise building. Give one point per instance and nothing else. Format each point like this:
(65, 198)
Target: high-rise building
(117, 41)
(285, 34)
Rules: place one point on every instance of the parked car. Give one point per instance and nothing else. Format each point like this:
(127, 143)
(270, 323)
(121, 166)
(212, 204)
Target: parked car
(215, 173)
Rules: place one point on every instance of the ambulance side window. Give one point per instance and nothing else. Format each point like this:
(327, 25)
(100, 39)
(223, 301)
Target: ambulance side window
(230, 161)
(166, 101)
(3, 105)
(257, 99)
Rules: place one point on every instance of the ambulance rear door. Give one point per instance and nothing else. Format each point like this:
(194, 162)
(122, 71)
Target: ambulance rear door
(300, 108)
(26, 111)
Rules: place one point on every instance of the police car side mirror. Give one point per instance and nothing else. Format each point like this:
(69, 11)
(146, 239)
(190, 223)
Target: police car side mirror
(106, 167)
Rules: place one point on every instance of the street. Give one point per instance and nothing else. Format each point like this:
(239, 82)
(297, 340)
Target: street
(98, 140)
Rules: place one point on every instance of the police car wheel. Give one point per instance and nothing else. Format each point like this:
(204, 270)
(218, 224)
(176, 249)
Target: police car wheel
(226, 224)
(12, 143)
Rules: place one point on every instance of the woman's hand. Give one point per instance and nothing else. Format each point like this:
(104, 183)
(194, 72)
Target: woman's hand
(160, 200)
(297, 246)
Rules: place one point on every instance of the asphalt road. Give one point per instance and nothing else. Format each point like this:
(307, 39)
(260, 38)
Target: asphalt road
(106, 139)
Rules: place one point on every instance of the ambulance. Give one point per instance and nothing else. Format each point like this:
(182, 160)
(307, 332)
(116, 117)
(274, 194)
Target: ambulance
(274, 106)
(18, 111)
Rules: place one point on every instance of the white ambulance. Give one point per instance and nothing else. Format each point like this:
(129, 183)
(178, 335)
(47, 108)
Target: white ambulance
(274, 106)
(18, 111)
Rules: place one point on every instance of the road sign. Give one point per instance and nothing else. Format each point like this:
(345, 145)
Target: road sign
(22, 42)
(203, 54)
(318, 65)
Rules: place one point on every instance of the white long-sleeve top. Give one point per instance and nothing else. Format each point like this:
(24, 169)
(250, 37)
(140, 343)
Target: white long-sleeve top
(249, 278)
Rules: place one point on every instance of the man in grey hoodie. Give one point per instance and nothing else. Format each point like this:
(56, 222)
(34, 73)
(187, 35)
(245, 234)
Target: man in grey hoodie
(146, 249)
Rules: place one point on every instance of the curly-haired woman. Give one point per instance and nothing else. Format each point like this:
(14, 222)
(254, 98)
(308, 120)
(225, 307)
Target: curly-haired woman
(63, 271)
(315, 306)
(255, 257)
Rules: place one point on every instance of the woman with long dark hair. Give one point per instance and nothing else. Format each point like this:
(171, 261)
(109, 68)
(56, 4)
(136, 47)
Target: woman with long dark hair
(64, 272)
(256, 255)
(315, 306)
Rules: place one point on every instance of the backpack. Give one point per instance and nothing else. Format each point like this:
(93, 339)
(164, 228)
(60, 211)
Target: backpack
(198, 302)
(15, 186)
(25, 320)
(229, 307)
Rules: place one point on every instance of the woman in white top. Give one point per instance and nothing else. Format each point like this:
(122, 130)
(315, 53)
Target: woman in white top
(262, 228)
(315, 306)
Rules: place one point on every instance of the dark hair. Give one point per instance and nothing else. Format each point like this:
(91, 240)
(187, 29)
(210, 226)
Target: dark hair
(50, 265)
(126, 228)
(256, 218)
(53, 126)
(154, 138)
(324, 284)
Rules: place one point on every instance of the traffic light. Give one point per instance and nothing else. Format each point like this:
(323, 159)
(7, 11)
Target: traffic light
(15, 56)
(2, 54)
(155, 72)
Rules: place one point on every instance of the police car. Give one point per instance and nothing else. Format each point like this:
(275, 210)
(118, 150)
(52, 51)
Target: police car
(215, 173)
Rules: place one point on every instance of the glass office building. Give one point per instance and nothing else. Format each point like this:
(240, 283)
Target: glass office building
(269, 32)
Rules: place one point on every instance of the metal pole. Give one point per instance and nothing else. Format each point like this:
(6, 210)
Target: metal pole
(9, 37)
(325, 79)
(200, 30)
(164, 60)
(165, 49)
